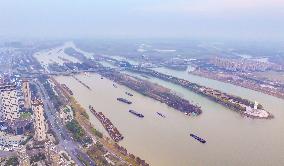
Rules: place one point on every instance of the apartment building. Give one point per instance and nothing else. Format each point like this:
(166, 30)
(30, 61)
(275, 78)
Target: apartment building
(9, 110)
(39, 120)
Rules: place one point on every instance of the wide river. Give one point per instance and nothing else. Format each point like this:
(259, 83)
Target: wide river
(231, 139)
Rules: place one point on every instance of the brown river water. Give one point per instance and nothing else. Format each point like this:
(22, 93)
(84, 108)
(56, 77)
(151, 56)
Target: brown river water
(231, 139)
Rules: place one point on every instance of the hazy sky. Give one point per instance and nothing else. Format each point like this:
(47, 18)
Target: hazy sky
(247, 19)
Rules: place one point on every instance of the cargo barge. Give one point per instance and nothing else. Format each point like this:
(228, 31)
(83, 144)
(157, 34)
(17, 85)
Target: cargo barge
(136, 113)
(67, 89)
(85, 85)
(110, 128)
(124, 100)
(198, 138)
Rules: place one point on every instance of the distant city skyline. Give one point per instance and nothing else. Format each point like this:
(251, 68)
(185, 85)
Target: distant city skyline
(232, 19)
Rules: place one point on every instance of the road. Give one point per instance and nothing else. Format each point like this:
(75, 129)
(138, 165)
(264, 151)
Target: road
(65, 140)
(7, 154)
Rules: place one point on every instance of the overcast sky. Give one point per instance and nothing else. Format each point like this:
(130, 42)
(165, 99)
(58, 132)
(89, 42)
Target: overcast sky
(241, 19)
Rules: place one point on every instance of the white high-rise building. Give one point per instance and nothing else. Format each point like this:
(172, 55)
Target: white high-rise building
(255, 105)
(9, 103)
(39, 120)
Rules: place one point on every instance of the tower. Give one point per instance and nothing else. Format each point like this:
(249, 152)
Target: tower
(39, 120)
(27, 94)
(255, 105)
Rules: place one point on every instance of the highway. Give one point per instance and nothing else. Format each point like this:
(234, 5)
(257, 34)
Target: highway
(5, 154)
(66, 141)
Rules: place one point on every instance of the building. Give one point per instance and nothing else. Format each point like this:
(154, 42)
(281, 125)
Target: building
(57, 157)
(23, 155)
(244, 65)
(255, 105)
(20, 126)
(10, 141)
(39, 120)
(52, 154)
(27, 94)
(9, 102)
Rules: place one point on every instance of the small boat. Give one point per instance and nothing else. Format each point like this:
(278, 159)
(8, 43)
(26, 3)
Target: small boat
(198, 138)
(86, 74)
(160, 114)
(114, 85)
(136, 113)
(129, 94)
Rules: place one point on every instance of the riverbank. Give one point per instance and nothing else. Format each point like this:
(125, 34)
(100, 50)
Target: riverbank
(238, 82)
(110, 146)
(238, 104)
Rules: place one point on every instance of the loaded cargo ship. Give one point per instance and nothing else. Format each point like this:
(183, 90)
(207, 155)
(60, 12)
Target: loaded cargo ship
(124, 100)
(198, 138)
(136, 113)
(110, 128)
